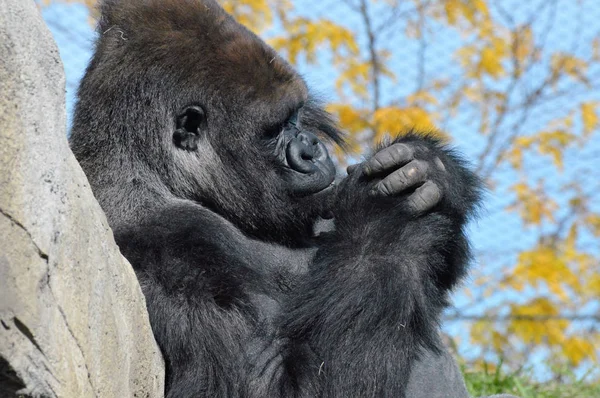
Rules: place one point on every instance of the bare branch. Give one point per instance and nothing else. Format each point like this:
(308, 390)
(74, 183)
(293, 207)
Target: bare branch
(373, 57)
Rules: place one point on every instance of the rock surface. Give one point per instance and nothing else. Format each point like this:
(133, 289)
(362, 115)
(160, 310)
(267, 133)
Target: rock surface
(73, 321)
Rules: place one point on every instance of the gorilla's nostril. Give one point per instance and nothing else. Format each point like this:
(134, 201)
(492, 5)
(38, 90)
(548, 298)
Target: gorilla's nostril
(301, 155)
(307, 155)
(308, 152)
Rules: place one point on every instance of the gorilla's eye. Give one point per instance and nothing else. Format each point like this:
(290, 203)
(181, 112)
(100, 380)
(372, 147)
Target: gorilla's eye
(189, 123)
(273, 132)
(291, 121)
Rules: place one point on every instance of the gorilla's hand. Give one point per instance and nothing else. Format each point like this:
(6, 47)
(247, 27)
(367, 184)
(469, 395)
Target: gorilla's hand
(407, 170)
(412, 176)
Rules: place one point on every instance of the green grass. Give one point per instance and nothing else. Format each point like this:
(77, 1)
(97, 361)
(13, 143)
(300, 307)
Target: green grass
(498, 382)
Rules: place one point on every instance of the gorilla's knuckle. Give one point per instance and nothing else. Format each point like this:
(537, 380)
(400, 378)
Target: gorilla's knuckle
(416, 170)
(435, 192)
(431, 192)
(386, 188)
(376, 163)
(401, 152)
(422, 165)
(405, 173)
(417, 203)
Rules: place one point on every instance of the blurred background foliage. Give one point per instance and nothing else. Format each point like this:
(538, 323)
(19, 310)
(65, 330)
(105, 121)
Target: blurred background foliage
(513, 84)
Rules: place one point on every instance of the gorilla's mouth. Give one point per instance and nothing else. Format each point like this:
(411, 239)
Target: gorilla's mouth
(321, 180)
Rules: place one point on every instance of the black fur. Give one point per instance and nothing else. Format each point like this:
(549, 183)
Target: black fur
(195, 136)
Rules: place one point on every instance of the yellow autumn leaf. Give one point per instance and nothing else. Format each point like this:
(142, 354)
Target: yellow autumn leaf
(481, 7)
(589, 117)
(533, 205)
(561, 63)
(306, 37)
(452, 9)
(548, 265)
(593, 223)
(499, 341)
(492, 56)
(469, 10)
(421, 98)
(394, 121)
(532, 322)
(487, 29)
(515, 154)
(256, 15)
(576, 349)
(592, 285)
(524, 141)
(351, 119)
(466, 56)
(354, 75)
(480, 332)
(553, 143)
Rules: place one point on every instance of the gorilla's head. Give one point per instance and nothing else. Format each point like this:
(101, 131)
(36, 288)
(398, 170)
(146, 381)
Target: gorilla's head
(180, 102)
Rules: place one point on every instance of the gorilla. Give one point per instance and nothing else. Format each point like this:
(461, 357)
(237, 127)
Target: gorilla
(208, 154)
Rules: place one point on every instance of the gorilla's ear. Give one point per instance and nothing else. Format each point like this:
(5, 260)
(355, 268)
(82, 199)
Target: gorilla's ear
(190, 122)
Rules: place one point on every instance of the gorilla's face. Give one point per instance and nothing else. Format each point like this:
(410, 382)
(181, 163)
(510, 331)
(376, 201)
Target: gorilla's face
(267, 172)
(201, 109)
(245, 133)
(294, 150)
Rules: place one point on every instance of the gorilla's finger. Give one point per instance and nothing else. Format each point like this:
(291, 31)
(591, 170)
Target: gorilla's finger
(392, 157)
(408, 176)
(425, 197)
(350, 169)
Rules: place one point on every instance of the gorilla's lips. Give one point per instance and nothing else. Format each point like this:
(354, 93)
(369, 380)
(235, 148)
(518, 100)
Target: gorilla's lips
(309, 159)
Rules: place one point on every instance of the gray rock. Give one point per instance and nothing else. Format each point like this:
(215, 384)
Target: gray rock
(73, 321)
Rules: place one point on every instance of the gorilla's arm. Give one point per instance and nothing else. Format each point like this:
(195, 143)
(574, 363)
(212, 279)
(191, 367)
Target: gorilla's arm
(379, 281)
(190, 272)
(212, 294)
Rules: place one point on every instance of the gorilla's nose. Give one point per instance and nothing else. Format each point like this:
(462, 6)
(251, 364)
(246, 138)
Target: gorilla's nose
(304, 151)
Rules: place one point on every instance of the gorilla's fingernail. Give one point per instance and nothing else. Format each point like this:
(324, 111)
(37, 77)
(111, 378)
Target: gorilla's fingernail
(440, 165)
